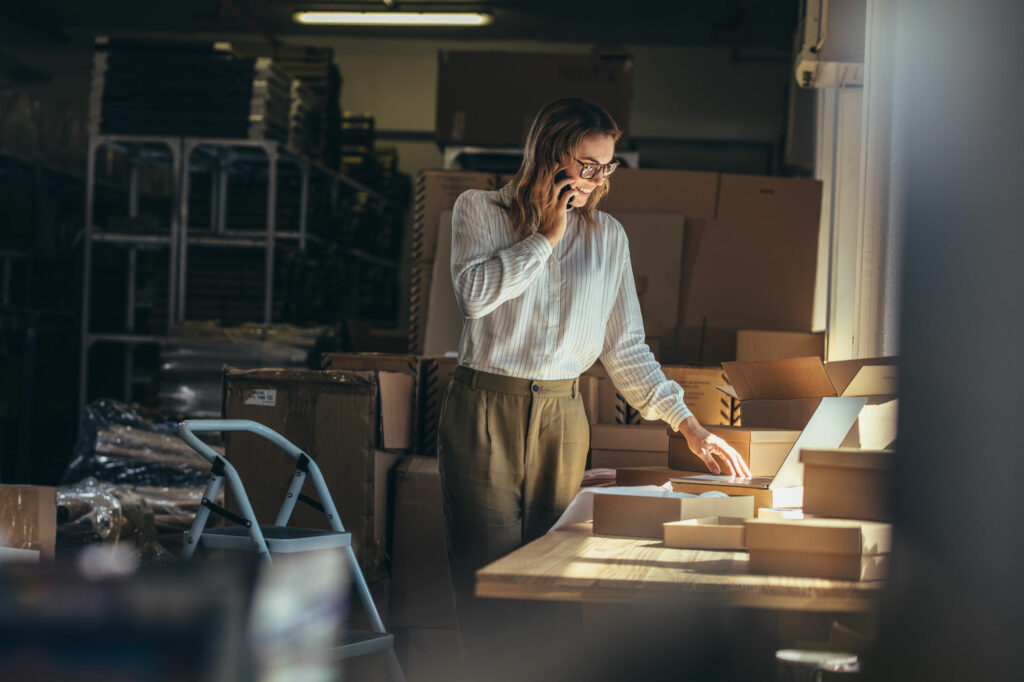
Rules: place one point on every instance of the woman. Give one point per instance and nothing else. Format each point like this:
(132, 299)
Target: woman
(545, 286)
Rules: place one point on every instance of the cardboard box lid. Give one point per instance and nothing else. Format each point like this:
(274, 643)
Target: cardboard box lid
(779, 379)
(809, 377)
(754, 434)
(824, 536)
(867, 376)
(651, 437)
(848, 458)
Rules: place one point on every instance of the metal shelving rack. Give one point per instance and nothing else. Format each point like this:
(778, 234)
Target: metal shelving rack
(178, 236)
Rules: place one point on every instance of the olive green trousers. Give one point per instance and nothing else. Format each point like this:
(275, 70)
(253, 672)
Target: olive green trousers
(511, 453)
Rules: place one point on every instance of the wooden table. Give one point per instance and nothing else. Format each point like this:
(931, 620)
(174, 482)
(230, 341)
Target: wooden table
(573, 564)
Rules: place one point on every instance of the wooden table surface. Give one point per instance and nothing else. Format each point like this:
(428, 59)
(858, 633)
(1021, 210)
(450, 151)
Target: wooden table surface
(573, 564)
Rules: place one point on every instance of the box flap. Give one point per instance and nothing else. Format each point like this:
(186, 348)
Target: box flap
(729, 391)
(848, 458)
(866, 376)
(779, 379)
(828, 426)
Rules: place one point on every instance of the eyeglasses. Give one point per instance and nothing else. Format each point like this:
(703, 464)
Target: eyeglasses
(589, 170)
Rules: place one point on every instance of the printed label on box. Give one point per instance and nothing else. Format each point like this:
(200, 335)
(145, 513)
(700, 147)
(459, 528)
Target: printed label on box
(264, 397)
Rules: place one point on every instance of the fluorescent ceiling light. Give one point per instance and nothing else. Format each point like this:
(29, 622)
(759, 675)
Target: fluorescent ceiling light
(392, 18)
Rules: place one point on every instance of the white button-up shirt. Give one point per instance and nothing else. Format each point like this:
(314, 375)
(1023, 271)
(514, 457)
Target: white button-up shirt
(536, 312)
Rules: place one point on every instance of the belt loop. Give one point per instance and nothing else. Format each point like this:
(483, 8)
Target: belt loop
(472, 378)
(575, 387)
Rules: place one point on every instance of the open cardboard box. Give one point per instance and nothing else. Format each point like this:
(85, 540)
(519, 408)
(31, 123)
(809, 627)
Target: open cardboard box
(826, 428)
(643, 516)
(710, 532)
(783, 394)
(847, 483)
(762, 449)
(839, 549)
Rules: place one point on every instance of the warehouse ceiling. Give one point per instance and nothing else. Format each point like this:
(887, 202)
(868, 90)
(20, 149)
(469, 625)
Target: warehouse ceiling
(767, 24)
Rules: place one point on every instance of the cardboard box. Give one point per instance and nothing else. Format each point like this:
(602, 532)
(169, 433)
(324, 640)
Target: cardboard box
(753, 345)
(647, 437)
(475, 108)
(615, 459)
(819, 548)
(421, 594)
(762, 449)
(700, 392)
(827, 427)
(28, 518)
(642, 516)
(712, 532)
(847, 483)
(656, 254)
(644, 475)
(437, 374)
(398, 379)
(828, 566)
(332, 416)
(785, 393)
(756, 263)
(769, 513)
(443, 328)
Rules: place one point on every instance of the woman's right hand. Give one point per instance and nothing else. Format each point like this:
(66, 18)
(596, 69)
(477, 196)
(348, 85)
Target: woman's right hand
(554, 215)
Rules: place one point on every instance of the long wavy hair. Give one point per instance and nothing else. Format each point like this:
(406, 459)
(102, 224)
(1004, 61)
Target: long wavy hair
(556, 132)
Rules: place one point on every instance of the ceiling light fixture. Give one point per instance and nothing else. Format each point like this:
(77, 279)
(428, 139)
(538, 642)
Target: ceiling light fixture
(392, 18)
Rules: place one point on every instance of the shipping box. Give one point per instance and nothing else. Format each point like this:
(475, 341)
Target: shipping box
(28, 518)
(785, 393)
(847, 483)
(711, 532)
(755, 344)
(333, 417)
(700, 392)
(827, 427)
(398, 379)
(474, 107)
(645, 475)
(762, 449)
(643, 516)
(421, 595)
(838, 549)
(615, 445)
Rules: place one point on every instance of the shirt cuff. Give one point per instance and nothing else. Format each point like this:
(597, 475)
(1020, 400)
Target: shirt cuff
(676, 415)
(539, 245)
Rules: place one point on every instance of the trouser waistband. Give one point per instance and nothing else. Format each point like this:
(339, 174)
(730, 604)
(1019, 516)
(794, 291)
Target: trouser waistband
(501, 384)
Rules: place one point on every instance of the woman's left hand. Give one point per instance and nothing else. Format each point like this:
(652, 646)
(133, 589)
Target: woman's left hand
(707, 446)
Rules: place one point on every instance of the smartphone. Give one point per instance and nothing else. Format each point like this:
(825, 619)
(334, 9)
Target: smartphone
(562, 175)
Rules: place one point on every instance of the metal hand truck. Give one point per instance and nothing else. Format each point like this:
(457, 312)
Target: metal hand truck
(278, 538)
